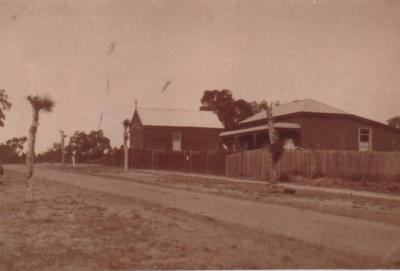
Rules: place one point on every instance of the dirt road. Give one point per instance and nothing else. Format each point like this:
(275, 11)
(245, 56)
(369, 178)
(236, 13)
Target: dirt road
(362, 237)
(72, 228)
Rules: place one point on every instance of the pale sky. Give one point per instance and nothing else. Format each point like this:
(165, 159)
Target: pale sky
(343, 53)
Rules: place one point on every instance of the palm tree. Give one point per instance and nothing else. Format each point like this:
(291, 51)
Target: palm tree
(38, 103)
(276, 147)
(4, 105)
(126, 124)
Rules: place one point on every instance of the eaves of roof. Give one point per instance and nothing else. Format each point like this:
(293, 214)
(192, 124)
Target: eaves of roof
(329, 115)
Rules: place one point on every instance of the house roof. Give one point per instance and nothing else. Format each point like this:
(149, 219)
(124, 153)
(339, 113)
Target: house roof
(278, 125)
(305, 105)
(178, 118)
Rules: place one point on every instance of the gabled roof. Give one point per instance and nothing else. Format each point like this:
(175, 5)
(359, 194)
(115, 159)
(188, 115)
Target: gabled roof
(305, 105)
(178, 118)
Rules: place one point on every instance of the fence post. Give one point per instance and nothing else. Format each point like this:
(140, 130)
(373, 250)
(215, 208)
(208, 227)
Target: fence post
(207, 162)
(152, 159)
(185, 161)
(190, 161)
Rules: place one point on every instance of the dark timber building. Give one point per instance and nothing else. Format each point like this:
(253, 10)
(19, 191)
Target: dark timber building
(175, 130)
(311, 124)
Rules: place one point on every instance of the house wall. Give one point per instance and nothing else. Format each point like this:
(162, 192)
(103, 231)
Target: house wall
(326, 132)
(333, 132)
(137, 139)
(136, 133)
(384, 140)
(160, 137)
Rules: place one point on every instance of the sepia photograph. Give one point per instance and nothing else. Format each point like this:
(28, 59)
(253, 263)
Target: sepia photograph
(199, 134)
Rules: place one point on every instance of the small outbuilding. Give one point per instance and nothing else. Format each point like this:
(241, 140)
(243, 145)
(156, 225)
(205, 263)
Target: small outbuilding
(175, 130)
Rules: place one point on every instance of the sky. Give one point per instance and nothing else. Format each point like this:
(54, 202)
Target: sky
(95, 57)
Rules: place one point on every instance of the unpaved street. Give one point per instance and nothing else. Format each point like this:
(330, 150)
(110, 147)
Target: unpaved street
(71, 228)
(378, 241)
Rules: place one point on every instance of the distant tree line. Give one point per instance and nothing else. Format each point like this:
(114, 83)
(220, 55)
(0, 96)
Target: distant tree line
(87, 147)
(12, 150)
(91, 147)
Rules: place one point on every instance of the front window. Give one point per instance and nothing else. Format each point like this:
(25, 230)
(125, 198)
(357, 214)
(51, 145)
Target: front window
(364, 139)
(176, 141)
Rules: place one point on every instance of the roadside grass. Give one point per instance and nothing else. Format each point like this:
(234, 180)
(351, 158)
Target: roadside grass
(355, 182)
(350, 205)
(69, 228)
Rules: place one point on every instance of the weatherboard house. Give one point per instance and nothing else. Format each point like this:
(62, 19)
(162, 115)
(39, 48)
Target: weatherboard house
(174, 130)
(313, 125)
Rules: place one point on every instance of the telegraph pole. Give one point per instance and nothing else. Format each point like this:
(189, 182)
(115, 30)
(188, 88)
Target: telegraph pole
(63, 136)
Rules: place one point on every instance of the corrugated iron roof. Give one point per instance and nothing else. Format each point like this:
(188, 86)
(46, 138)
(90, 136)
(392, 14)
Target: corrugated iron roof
(305, 105)
(261, 128)
(178, 118)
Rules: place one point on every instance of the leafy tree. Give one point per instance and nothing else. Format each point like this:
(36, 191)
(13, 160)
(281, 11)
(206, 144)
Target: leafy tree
(38, 103)
(229, 111)
(88, 147)
(99, 144)
(11, 151)
(78, 145)
(17, 143)
(4, 105)
(394, 122)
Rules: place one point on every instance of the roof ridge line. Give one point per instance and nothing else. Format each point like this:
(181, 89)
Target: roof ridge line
(175, 109)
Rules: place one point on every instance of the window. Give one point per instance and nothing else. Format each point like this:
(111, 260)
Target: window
(176, 141)
(364, 139)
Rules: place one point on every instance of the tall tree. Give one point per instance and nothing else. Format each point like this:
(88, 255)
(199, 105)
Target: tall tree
(394, 122)
(38, 103)
(88, 147)
(78, 146)
(275, 146)
(229, 111)
(99, 144)
(4, 105)
(126, 124)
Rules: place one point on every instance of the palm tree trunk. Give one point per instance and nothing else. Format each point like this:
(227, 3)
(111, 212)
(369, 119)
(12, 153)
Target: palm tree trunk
(273, 138)
(125, 149)
(30, 157)
(274, 173)
(271, 128)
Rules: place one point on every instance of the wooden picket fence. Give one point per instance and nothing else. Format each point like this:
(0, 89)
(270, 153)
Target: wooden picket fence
(354, 165)
(185, 161)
